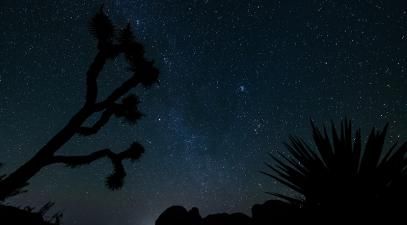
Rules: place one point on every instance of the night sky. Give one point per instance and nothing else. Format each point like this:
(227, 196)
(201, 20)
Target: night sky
(237, 77)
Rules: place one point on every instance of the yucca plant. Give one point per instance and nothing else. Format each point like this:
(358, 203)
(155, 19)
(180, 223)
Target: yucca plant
(340, 174)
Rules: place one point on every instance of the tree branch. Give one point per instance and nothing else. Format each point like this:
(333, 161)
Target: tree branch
(91, 77)
(104, 118)
(117, 93)
(74, 161)
(114, 180)
(95, 68)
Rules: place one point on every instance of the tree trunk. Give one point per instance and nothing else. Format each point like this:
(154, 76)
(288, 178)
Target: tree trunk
(13, 183)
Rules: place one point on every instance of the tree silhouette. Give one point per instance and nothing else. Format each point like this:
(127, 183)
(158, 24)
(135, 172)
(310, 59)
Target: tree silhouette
(111, 42)
(339, 177)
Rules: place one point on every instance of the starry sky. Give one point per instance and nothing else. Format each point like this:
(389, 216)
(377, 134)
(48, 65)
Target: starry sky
(237, 77)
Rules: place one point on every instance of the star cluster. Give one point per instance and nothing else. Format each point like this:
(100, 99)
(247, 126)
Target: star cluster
(237, 77)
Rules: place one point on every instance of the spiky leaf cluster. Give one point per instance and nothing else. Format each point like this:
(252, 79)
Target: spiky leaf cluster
(128, 109)
(123, 41)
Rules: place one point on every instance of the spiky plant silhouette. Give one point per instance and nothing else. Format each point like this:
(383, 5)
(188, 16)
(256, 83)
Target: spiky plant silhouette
(341, 174)
(112, 42)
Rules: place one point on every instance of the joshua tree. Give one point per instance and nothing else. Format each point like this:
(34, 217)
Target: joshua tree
(111, 43)
(341, 177)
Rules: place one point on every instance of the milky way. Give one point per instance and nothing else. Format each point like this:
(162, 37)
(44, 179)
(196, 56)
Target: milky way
(237, 77)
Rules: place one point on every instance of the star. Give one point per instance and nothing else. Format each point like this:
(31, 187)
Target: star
(236, 79)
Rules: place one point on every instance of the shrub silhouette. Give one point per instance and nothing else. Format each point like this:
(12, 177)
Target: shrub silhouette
(341, 177)
(111, 42)
(341, 181)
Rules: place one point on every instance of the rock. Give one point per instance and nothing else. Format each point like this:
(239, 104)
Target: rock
(227, 219)
(178, 215)
(272, 212)
(10, 215)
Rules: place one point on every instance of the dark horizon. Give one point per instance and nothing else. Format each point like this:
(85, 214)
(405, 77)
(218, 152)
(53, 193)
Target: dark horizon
(236, 79)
